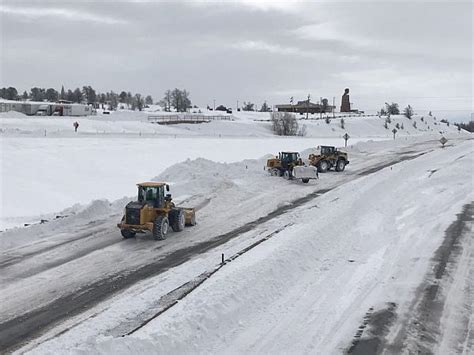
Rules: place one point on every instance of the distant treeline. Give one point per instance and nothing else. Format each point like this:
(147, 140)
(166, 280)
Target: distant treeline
(467, 126)
(87, 96)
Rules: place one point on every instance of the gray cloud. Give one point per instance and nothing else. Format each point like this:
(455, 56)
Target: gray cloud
(411, 52)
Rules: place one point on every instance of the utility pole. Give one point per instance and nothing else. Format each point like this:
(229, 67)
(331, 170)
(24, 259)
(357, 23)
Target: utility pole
(320, 108)
(333, 105)
(237, 105)
(307, 106)
(214, 108)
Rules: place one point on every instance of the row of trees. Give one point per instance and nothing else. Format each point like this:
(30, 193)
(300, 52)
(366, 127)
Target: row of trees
(177, 99)
(393, 109)
(85, 95)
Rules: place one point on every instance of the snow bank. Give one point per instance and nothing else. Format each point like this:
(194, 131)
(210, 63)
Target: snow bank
(63, 222)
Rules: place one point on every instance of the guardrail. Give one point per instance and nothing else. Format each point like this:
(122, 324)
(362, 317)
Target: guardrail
(186, 118)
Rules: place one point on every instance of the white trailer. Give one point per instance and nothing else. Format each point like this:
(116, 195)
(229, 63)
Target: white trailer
(74, 109)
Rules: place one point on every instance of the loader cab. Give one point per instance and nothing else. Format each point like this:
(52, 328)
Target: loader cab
(289, 156)
(289, 159)
(153, 194)
(326, 150)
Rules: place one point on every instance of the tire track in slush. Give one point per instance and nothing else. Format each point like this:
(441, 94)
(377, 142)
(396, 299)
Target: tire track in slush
(418, 334)
(16, 331)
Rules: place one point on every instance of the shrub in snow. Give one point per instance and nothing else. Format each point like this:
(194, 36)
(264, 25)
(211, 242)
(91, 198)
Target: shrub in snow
(302, 131)
(248, 106)
(328, 120)
(397, 125)
(284, 123)
(414, 124)
(408, 112)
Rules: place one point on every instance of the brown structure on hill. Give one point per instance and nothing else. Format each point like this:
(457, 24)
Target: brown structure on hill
(345, 103)
(305, 107)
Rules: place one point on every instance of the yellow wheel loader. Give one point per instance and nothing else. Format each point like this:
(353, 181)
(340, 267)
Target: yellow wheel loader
(329, 158)
(154, 211)
(291, 166)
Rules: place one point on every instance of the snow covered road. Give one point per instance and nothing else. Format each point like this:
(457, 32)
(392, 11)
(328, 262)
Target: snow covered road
(84, 269)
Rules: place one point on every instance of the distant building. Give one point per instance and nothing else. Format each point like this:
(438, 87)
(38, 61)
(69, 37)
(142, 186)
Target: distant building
(304, 107)
(32, 108)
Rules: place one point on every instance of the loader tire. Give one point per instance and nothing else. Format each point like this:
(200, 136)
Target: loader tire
(160, 228)
(305, 180)
(177, 219)
(127, 234)
(340, 165)
(287, 175)
(275, 172)
(323, 166)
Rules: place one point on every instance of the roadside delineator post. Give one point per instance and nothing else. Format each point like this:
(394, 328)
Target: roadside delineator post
(222, 261)
(346, 138)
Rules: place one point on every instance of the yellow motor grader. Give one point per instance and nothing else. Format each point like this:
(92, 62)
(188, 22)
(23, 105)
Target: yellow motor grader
(155, 212)
(329, 158)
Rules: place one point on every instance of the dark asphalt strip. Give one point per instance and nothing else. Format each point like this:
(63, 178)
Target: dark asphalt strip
(418, 333)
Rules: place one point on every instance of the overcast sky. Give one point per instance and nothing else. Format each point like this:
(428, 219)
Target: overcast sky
(417, 53)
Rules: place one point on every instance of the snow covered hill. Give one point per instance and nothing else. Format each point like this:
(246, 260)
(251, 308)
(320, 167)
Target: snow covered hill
(244, 124)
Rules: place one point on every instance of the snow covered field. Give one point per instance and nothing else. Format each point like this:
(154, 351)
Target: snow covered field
(53, 168)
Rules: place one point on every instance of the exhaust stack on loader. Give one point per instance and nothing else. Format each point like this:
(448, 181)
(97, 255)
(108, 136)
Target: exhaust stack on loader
(155, 212)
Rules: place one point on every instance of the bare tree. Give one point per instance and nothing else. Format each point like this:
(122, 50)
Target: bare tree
(284, 123)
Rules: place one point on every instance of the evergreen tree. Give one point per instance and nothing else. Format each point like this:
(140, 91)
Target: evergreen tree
(51, 95)
(265, 107)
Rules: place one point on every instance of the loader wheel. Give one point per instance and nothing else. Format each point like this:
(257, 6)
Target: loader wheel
(323, 166)
(274, 172)
(340, 165)
(177, 219)
(287, 175)
(305, 180)
(126, 233)
(160, 228)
